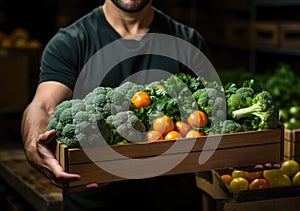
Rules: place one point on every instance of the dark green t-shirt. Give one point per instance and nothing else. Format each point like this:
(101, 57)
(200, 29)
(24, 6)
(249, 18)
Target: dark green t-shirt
(73, 47)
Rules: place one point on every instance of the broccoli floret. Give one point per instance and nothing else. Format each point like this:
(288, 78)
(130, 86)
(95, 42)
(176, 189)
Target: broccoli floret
(123, 125)
(240, 99)
(68, 131)
(87, 133)
(66, 117)
(250, 124)
(263, 107)
(205, 98)
(230, 126)
(61, 107)
(52, 124)
(101, 100)
(68, 136)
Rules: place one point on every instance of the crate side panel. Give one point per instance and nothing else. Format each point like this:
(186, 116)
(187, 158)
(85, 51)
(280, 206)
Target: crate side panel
(225, 141)
(221, 158)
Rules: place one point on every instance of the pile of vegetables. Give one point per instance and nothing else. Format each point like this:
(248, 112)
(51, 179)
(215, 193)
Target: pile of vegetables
(181, 106)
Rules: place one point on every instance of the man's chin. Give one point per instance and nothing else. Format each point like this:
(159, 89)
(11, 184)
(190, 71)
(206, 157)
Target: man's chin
(131, 6)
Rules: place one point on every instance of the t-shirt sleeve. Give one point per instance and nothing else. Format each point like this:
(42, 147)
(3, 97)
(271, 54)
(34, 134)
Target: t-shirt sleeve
(59, 60)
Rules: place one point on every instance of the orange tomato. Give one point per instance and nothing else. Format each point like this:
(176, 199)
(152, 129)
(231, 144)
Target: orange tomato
(197, 119)
(154, 135)
(250, 176)
(141, 99)
(259, 183)
(194, 134)
(172, 135)
(226, 178)
(182, 127)
(163, 124)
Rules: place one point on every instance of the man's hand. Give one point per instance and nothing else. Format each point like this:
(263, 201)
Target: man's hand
(40, 155)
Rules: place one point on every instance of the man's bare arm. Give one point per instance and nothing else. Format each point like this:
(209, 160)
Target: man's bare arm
(38, 143)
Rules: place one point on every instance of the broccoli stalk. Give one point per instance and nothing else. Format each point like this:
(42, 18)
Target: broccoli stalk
(262, 107)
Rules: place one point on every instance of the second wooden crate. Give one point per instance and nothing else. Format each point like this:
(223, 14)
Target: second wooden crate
(292, 144)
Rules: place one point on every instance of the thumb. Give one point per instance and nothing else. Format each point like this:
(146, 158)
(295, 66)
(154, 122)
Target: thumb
(49, 136)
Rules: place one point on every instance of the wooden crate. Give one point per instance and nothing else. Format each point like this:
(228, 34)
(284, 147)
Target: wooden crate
(218, 197)
(292, 144)
(289, 35)
(266, 33)
(238, 149)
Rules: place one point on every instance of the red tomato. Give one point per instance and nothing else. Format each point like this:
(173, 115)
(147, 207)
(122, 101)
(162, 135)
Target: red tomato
(163, 124)
(259, 183)
(154, 135)
(197, 119)
(250, 176)
(172, 135)
(194, 134)
(182, 127)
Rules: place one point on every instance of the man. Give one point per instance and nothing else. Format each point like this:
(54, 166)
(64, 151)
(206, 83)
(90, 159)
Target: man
(63, 59)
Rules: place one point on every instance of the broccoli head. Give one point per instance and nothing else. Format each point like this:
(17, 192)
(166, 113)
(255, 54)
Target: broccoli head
(262, 107)
(75, 120)
(122, 126)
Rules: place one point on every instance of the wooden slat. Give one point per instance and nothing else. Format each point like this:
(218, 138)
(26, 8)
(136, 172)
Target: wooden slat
(292, 144)
(242, 139)
(278, 204)
(289, 35)
(265, 33)
(238, 156)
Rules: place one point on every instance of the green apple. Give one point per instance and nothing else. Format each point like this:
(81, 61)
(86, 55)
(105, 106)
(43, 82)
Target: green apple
(239, 184)
(290, 167)
(237, 173)
(272, 174)
(296, 178)
(286, 181)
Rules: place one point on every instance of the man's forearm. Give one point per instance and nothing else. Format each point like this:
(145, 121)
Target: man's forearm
(34, 122)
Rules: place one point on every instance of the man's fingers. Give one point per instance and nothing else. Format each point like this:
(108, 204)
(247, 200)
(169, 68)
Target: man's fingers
(59, 173)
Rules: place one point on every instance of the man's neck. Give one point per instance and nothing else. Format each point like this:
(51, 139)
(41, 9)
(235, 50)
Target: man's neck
(127, 24)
